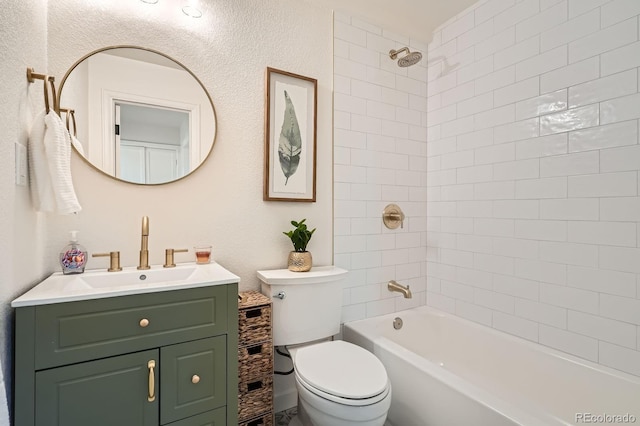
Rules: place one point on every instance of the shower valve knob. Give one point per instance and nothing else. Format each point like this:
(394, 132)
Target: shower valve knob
(393, 217)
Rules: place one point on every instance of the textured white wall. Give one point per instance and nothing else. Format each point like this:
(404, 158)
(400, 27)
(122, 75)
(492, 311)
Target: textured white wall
(23, 44)
(380, 158)
(533, 157)
(228, 49)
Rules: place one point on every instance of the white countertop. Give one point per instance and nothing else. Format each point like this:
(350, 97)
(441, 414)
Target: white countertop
(96, 284)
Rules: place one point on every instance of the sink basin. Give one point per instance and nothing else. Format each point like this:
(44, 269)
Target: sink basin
(96, 284)
(135, 277)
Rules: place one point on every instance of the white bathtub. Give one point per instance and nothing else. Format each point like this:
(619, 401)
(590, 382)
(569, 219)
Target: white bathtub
(447, 371)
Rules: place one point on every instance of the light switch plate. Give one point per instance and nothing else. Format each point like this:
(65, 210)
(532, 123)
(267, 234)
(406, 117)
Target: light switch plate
(21, 164)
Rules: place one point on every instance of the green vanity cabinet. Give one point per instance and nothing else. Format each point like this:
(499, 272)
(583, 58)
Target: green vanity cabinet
(161, 358)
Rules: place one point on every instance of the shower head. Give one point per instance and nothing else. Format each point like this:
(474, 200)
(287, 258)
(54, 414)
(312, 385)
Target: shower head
(411, 58)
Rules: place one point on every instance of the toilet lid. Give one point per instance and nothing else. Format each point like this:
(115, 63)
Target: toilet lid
(342, 369)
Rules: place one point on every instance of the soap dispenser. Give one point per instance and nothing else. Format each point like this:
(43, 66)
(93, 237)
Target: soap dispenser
(73, 257)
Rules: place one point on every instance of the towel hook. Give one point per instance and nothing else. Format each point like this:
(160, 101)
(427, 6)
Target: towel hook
(56, 105)
(70, 119)
(32, 76)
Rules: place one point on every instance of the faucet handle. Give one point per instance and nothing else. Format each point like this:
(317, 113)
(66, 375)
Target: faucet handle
(168, 257)
(114, 264)
(392, 216)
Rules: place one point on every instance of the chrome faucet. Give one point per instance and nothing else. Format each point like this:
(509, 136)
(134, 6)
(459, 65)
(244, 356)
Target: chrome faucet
(394, 286)
(144, 244)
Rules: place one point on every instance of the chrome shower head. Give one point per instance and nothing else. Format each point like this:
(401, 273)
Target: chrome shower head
(411, 58)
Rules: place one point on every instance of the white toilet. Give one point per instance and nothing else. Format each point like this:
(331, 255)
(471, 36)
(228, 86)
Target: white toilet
(338, 382)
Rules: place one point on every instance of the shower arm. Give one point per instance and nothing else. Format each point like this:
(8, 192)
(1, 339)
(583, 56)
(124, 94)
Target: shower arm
(393, 54)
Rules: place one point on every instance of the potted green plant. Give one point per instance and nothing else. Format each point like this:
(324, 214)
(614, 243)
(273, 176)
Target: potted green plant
(300, 259)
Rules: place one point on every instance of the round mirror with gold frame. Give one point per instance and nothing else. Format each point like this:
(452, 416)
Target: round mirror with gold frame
(138, 115)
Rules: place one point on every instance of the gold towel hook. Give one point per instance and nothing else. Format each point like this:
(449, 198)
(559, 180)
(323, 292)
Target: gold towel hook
(70, 119)
(32, 76)
(56, 105)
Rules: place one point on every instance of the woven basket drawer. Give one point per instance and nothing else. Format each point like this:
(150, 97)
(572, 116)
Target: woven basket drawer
(255, 397)
(255, 361)
(263, 420)
(254, 325)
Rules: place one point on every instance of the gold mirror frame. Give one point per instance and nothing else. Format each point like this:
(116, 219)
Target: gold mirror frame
(206, 92)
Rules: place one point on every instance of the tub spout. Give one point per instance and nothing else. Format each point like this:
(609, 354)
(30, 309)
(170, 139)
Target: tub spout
(394, 286)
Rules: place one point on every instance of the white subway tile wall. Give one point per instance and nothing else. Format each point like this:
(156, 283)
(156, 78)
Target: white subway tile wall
(533, 160)
(380, 157)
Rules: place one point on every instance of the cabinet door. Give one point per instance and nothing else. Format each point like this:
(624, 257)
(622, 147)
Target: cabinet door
(106, 392)
(194, 378)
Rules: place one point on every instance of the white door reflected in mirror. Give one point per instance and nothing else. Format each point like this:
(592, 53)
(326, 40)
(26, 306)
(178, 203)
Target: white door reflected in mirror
(152, 143)
(141, 116)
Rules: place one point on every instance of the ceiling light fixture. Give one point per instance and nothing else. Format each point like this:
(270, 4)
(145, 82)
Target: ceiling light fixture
(149, 1)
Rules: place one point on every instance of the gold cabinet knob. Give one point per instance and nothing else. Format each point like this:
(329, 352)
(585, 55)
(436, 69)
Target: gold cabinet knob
(195, 379)
(144, 322)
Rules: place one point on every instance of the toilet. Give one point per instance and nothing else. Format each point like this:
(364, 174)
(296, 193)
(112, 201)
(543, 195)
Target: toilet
(338, 383)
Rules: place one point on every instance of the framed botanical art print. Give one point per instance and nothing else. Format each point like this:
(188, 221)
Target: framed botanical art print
(290, 137)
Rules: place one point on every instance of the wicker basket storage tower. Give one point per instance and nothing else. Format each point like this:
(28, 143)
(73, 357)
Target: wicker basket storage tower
(255, 360)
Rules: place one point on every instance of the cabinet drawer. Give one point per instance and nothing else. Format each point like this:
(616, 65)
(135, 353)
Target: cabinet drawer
(211, 418)
(255, 397)
(254, 324)
(255, 361)
(76, 331)
(263, 420)
(194, 378)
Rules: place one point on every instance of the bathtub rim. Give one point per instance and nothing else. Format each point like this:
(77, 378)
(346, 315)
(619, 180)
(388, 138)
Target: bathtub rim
(357, 326)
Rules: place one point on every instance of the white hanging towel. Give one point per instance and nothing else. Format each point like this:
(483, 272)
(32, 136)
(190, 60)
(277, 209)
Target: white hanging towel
(57, 144)
(50, 165)
(40, 180)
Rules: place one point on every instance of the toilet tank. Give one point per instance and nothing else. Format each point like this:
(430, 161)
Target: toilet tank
(309, 305)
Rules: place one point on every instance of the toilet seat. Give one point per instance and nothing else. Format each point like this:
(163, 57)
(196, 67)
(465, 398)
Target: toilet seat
(341, 372)
(343, 401)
